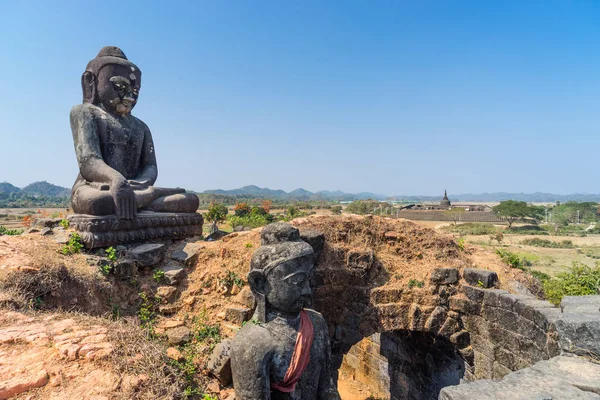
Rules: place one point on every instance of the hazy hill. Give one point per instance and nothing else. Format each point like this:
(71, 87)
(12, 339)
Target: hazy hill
(8, 188)
(250, 191)
(37, 194)
(46, 189)
(298, 194)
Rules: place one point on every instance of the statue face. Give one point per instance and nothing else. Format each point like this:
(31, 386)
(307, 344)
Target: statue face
(118, 88)
(288, 287)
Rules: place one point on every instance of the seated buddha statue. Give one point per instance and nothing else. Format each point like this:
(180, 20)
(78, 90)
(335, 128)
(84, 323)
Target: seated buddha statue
(284, 352)
(115, 152)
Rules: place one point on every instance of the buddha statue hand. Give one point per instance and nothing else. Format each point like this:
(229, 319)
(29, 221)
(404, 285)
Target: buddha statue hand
(124, 197)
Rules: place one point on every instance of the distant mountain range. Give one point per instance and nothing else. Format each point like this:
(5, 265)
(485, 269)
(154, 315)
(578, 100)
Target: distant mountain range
(37, 188)
(47, 189)
(253, 191)
(303, 194)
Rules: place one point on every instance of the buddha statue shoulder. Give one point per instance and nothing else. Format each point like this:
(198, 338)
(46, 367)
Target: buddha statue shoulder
(115, 152)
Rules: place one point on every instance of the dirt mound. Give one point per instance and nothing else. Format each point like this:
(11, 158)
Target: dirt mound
(405, 250)
(35, 275)
(402, 250)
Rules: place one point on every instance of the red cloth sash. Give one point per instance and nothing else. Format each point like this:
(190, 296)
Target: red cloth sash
(300, 357)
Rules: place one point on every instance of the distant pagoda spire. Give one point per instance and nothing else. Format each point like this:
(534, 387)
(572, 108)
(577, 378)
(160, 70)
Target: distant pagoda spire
(445, 201)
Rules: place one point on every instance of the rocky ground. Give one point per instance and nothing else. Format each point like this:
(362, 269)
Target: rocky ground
(143, 323)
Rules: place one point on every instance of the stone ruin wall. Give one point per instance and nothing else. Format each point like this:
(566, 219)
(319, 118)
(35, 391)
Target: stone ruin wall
(467, 216)
(491, 332)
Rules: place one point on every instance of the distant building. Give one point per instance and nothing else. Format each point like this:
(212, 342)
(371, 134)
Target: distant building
(445, 201)
(436, 212)
(446, 204)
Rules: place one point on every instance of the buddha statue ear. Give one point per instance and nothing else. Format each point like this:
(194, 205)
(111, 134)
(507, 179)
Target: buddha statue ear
(258, 285)
(88, 84)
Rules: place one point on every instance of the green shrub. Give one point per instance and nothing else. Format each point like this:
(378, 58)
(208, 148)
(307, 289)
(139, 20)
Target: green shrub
(513, 260)
(527, 230)
(64, 223)
(471, 228)
(10, 232)
(537, 242)
(542, 277)
(111, 254)
(73, 246)
(252, 220)
(216, 213)
(580, 280)
(106, 269)
(590, 251)
(571, 230)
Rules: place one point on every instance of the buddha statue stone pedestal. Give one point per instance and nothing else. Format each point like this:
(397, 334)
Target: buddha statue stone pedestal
(103, 231)
(113, 197)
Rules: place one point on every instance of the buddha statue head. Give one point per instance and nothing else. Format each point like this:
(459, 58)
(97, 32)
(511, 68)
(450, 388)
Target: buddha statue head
(280, 272)
(111, 81)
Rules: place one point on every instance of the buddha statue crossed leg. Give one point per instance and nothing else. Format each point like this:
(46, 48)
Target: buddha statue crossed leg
(115, 152)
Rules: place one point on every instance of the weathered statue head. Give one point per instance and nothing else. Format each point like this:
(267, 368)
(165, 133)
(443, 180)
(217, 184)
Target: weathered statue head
(112, 81)
(280, 271)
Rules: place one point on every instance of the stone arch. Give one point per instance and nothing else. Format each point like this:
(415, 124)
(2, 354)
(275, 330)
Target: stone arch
(494, 332)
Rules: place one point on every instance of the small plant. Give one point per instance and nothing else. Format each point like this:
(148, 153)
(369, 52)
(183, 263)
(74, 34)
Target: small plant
(461, 244)
(499, 236)
(480, 284)
(116, 311)
(203, 334)
(188, 368)
(37, 303)
(542, 277)
(252, 321)
(512, 259)
(537, 242)
(415, 283)
(73, 246)
(111, 254)
(158, 275)
(64, 223)
(209, 397)
(205, 331)
(232, 279)
(10, 232)
(146, 312)
(106, 269)
(248, 245)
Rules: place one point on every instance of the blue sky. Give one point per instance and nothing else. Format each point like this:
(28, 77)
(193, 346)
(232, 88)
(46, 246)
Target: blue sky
(392, 97)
